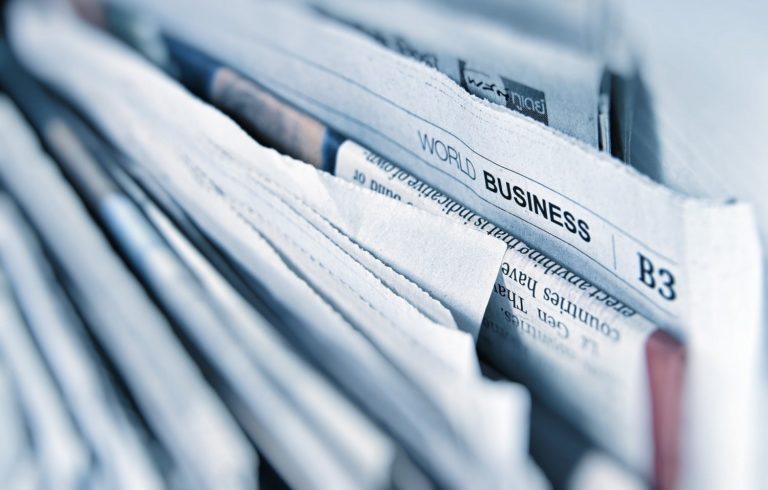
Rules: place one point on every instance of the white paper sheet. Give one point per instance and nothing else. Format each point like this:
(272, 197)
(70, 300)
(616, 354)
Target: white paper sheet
(118, 450)
(18, 468)
(64, 457)
(366, 452)
(192, 423)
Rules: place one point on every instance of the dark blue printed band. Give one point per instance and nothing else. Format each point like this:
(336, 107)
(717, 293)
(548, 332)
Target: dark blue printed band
(331, 142)
(195, 69)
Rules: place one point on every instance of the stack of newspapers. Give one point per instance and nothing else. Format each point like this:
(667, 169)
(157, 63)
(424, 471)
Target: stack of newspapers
(382, 244)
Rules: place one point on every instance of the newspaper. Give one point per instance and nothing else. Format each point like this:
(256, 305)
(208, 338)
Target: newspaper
(554, 86)
(450, 278)
(241, 195)
(17, 464)
(62, 453)
(121, 456)
(159, 373)
(547, 325)
(671, 259)
(294, 442)
(583, 355)
(592, 234)
(363, 450)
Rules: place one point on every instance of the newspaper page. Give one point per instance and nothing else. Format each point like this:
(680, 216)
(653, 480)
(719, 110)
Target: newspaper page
(61, 451)
(53, 325)
(163, 379)
(582, 380)
(552, 85)
(596, 334)
(363, 449)
(294, 444)
(221, 177)
(17, 462)
(551, 327)
(668, 255)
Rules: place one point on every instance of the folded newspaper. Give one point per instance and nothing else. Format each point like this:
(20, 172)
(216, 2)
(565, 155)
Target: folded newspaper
(336, 244)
